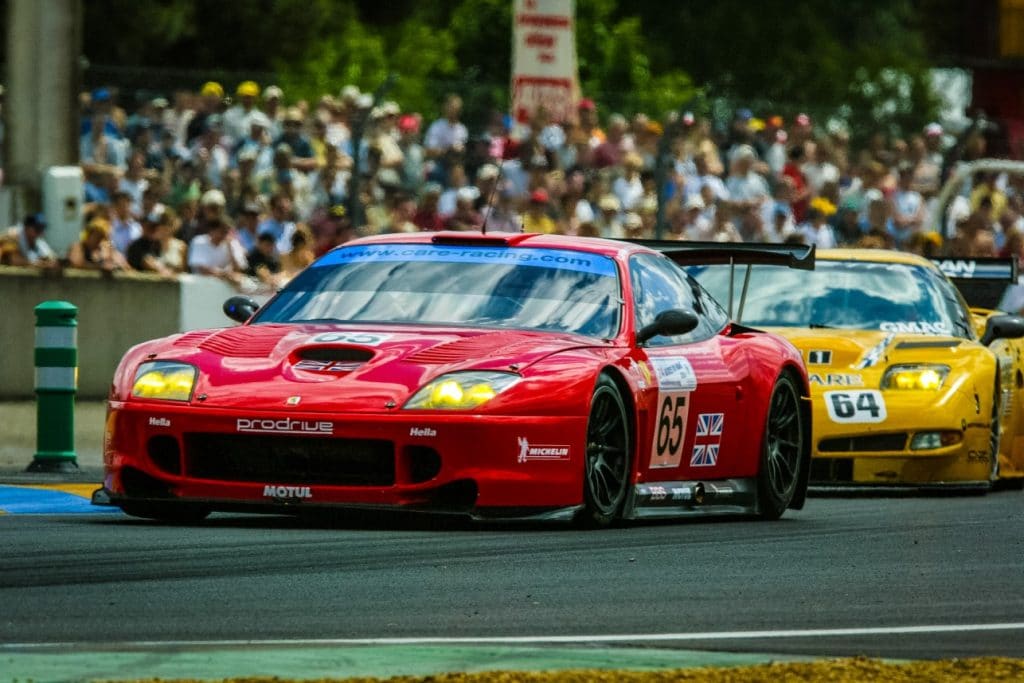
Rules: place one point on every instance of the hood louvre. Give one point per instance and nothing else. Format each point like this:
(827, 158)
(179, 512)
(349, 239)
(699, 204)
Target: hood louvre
(508, 343)
(193, 338)
(249, 341)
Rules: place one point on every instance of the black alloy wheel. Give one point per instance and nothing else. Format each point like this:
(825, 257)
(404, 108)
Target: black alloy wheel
(607, 469)
(782, 450)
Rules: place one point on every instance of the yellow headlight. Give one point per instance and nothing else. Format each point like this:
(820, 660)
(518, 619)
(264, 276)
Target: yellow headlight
(461, 390)
(447, 394)
(150, 384)
(925, 378)
(168, 381)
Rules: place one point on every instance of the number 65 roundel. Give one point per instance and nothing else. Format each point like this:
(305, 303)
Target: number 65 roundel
(850, 407)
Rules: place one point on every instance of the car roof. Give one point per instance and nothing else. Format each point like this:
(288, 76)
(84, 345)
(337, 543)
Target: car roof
(593, 245)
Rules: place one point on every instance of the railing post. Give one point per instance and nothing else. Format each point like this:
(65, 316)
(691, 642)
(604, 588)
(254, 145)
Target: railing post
(56, 363)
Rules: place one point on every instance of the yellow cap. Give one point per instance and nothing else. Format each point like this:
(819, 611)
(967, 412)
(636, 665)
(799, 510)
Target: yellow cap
(212, 88)
(248, 89)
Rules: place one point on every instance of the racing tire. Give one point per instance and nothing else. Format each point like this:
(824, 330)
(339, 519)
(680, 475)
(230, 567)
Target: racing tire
(607, 464)
(782, 450)
(178, 513)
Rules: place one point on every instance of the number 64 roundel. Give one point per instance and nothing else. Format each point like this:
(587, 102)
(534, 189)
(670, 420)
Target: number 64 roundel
(850, 407)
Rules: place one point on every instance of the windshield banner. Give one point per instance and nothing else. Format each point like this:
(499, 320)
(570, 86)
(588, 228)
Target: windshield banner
(556, 259)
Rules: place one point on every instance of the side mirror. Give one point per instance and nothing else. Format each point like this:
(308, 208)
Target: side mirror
(668, 324)
(1003, 327)
(240, 308)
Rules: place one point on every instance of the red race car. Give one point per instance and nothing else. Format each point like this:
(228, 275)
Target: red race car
(494, 375)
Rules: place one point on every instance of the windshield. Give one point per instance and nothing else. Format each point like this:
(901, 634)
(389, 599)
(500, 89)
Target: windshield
(509, 287)
(892, 297)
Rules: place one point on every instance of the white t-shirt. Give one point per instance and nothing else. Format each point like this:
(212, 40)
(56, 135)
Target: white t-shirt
(229, 254)
(443, 135)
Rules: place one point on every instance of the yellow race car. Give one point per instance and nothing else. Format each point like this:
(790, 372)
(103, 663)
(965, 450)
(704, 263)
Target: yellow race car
(909, 386)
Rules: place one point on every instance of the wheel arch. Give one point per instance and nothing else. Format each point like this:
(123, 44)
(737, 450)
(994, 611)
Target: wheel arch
(806, 413)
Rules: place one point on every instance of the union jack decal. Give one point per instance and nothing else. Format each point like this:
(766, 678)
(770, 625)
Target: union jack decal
(710, 424)
(709, 427)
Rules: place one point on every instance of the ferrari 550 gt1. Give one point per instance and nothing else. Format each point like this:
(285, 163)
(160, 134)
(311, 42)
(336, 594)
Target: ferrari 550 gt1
(494, 375)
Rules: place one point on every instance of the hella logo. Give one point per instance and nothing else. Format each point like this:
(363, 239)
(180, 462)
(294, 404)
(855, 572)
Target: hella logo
(422, 431)
(287, 492)
(284, 426)
(159, 422)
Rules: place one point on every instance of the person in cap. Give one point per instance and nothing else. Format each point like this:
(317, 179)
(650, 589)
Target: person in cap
(257, 143)
(273, 107)
(211, 101)
(607, 220)
(236, 118)
(586, 110)
(535, 217)
(303, 156)
(428, 217)
(817, 230)
(98, 146)
(24, 244)
(465, 216)
(747, 188)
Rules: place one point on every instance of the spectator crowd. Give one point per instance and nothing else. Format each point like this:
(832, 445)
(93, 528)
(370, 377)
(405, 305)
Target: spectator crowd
(251, 188)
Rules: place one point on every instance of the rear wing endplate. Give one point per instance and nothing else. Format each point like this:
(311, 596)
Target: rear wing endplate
(798, 256)
(997, 269)
(981, 281)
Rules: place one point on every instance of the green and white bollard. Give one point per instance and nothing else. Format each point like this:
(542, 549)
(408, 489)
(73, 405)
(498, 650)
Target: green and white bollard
(56, 385)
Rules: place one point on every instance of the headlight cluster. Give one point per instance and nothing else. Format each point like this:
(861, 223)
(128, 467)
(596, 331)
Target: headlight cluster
(461, 390)
(920, 377)
(166, 380)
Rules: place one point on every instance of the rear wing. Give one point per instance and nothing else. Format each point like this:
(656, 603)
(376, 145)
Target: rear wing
(981, 281)
(798, 256)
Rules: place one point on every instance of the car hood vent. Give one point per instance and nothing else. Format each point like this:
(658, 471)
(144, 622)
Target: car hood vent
(249, 341)
(192, 339)
(335, 353)
(937, 344)
(506, 343)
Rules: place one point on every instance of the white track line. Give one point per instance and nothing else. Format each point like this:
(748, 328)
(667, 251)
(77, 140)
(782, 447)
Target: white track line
(536, 640)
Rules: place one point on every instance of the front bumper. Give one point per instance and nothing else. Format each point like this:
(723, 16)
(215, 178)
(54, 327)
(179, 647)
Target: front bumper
(450, 462)
(881, 454)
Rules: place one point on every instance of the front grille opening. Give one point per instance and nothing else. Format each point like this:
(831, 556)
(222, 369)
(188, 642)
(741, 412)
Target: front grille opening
(423, 463)
(335, 353)
(290, 459)
(138, 484)
(164, 453)
(872, 443)
(832, 470)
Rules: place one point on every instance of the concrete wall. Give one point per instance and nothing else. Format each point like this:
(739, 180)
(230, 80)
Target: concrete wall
(114, 313)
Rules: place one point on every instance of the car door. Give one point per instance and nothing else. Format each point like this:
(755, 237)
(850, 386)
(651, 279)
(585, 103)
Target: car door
(694, 430)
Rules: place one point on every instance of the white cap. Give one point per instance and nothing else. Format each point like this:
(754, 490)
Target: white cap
(212, 198)
(467, 194)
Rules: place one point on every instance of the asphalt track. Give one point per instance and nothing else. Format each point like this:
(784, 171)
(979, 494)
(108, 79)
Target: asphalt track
(899, 577)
